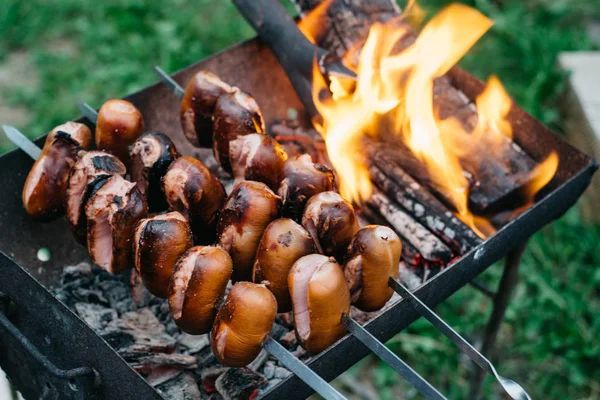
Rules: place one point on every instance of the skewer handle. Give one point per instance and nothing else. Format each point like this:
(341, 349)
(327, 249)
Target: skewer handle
(170, 82)
(391, 359)
(300, 369)
(511, 387)
(22, 142)
(88, 112)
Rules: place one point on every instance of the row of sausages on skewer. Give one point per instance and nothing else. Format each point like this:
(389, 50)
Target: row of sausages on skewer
(282, 227)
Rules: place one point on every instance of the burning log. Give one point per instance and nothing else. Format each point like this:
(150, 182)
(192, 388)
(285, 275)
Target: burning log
(424, 207)
(498, 167)
(427, 244)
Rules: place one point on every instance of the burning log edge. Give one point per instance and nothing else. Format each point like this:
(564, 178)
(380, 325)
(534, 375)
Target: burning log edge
(344, 26)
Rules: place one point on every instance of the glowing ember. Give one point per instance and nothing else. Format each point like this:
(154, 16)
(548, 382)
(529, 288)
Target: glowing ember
(394, 95)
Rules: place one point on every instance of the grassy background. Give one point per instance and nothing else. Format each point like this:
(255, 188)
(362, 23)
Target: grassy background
(92, 51)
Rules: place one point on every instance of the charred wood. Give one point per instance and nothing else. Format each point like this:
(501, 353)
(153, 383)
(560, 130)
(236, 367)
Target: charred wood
(428, 245)
(422, 205)
(499, 168)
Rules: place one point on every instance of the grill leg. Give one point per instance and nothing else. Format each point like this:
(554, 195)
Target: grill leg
(508, 282)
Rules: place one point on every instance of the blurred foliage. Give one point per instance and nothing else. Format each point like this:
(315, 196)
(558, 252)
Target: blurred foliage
(92, 51)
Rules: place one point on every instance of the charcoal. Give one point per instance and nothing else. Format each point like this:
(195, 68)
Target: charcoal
(76, 272)
(160, 375)
(361, 316)
(240, 383)
(278, 331)
(259, 361)
(117, 338)
(118, 295)
(209, 376)
(193, 343)
(289, 340)
(95, 315)
(89, 296)
(152, 360)
(273, 371)
(182, 387)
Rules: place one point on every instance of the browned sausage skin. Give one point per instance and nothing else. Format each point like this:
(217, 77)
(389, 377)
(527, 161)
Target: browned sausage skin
(250, 207)
(195, 192)
(236, 114)
(112, 212)
(151, 155)
(242, 324)
(158, 243)
(332, 223)
(302, 180)
(198, 105)
(320, 296)
(91, 168)
(257, 157)
(44, 191)
(198, 286)
(119, 125)
(282, 244)
(374, 257)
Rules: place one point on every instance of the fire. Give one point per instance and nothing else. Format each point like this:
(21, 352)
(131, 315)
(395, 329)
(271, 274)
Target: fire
(394, 96)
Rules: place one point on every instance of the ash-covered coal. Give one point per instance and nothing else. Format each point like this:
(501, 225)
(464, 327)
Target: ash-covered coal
(140, 328)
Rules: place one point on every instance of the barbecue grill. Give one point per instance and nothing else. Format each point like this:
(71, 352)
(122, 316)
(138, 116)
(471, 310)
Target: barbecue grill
(49, 352)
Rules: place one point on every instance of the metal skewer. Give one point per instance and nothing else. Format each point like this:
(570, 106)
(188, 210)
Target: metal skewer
(511, 387)
(391, 359)
(170, 82)
(22, 142)
(88, 112)
(300, 369)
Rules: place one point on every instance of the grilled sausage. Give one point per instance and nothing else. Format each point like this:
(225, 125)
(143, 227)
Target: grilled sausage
(282, 244)
(374, 257)
(119, 125)
(112, 212)
(198, 105)
(257, 157)
(198, 286)
(332, 223)
(91, 168)
(195, 192)
(151, 155)
(158, 243)
(242, 324)
(320, 296)
(250, 207)
(45, 188)
(302, 180)
(236, 114)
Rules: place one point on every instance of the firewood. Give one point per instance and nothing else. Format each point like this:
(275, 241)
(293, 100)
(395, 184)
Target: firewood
(345, 26)
(422, 205)
(428, 245)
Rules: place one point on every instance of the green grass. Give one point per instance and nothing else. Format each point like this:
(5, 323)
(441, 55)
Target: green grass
(550, 339)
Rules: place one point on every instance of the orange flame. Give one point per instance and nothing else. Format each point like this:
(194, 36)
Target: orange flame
(394, 93)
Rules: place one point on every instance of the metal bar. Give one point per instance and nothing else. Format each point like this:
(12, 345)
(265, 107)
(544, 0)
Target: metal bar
(300, 369)
(170, 82)
(391, 359)
(511, 387)
(88, 112)
(508, 282)
(22, 142)
(477, 284)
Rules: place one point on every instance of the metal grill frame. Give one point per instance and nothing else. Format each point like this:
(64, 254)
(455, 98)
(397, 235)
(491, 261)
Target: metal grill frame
(67, 342)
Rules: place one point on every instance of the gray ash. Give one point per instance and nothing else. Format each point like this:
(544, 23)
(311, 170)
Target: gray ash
(139, 327)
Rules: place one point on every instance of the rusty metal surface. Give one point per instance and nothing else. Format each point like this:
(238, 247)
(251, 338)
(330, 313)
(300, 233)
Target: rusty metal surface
(251, 66)
(49, 353)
